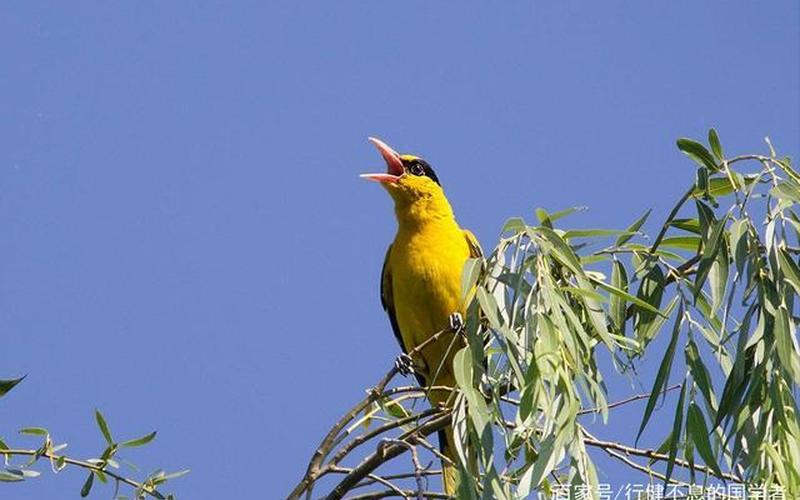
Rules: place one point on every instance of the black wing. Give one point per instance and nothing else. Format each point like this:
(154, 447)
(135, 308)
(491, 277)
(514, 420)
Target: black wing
(387, 299)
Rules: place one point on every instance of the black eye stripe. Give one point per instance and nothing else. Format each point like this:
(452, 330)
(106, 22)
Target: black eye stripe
(422, 169)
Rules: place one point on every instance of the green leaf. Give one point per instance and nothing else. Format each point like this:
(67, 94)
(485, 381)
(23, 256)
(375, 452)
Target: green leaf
(663, 372)
(784, 344)
(698, 153)
(722, 186)
(561, 250)
(513, 225)
(393, 408)
(139, 441)
(10, 477)
(625, 295)
(103, 425)
(709, 254)
(698, 431)
(544, 217)
(716, 147)
(87, 485)
(787, 190)
(690, 225)
(469, 276)
(587, 233)
(34, 431)
(691, 243)
(675, 434)
(8, 384)
(633, 229)
(700, 374)
(489, 307)
(619, 279)
(176, 475)
(791, 272)
(544, 462)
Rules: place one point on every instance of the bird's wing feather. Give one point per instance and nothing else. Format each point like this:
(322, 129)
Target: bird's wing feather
(387, 299)
(474, 247)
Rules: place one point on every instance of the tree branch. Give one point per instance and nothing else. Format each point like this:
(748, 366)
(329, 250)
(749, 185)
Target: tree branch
(149, 490)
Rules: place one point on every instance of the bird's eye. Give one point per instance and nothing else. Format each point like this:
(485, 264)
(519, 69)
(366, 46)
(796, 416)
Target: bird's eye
(417, 169)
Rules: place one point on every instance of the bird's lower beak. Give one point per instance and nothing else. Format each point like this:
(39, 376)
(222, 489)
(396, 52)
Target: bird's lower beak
(394, 165)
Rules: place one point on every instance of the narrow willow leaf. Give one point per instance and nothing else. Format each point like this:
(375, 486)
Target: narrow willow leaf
(785, 344)
(544, 461)
(651, 291)
(738, 243)
(626, 296)
(567, 211)
(737, 378)
(462, 366)
(10, 477)
(513, 225)
(787, 190)
(544, 218)
(691, 243)
(469, 276)
(718, 276)
(103, 425)
(586, 233)
(791, 272)
(716, 147)
(675, 435)
(690, 225)
(8, 384)
(662, 378)
(700, 375)
(619, 279)
(489, 307)
(633, 229)
(34, 431)
(561, 250)
(87, 485)
(722, 186)
(701, 184)
(139, 441)
(698, 153)
(710, 250)
(698, 431)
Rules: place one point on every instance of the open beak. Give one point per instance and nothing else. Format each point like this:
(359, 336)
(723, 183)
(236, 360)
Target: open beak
(394, 165)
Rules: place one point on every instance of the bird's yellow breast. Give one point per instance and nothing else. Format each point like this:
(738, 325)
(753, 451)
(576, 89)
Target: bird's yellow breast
(426, 263)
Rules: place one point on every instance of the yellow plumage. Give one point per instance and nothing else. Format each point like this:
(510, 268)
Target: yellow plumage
(421, 281)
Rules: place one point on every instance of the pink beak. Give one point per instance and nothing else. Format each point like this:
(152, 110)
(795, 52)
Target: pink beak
(394, 165)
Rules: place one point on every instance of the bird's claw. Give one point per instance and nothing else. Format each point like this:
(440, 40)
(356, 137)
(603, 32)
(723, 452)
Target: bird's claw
(404, 364)
(456, 322)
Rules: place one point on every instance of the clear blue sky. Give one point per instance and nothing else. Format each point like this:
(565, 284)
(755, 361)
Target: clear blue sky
(187, 246)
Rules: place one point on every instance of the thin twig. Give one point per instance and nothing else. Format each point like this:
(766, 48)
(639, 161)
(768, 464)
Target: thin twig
(151, 491)
(385, 453)
(651, 454)
(420, 479)
(631, 399)
(389, 493)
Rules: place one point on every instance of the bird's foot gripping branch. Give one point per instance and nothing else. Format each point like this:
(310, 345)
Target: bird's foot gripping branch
(712, 298)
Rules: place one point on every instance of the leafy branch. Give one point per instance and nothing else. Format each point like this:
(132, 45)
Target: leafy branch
(105, 468)
(722, 272)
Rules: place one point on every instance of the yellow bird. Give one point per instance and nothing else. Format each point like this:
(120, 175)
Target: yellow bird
(421, 278)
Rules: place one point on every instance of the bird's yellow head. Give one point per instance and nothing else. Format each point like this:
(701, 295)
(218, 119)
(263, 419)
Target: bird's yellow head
(410, 180)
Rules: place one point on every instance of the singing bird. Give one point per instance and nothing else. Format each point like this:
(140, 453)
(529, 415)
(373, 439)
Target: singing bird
(421, 278)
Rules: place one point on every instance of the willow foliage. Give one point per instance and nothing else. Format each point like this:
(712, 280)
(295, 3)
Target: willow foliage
(712, 297)
(720, 279)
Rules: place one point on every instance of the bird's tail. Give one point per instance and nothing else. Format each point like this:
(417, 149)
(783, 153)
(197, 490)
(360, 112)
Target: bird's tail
(449, 472)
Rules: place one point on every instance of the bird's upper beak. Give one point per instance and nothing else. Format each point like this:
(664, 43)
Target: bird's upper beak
(394, 165)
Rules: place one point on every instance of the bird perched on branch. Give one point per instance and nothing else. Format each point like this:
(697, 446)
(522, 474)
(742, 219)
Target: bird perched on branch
(421, 279)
